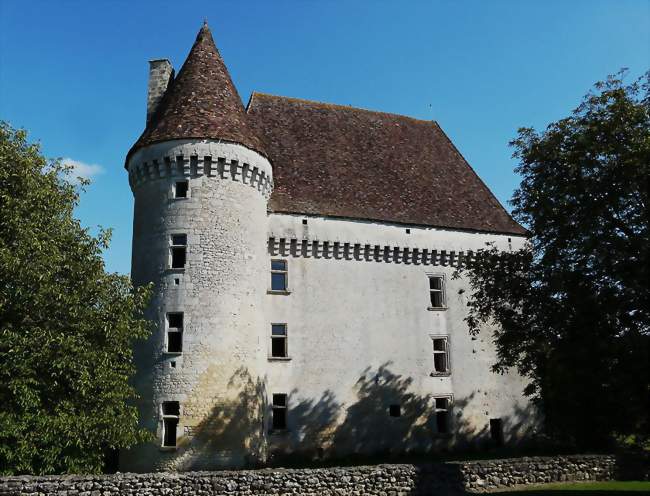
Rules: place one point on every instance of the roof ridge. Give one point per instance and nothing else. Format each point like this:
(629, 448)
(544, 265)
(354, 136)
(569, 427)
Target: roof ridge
(335, 105)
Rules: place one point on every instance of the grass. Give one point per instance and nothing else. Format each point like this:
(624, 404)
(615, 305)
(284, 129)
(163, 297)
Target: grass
(610, 488)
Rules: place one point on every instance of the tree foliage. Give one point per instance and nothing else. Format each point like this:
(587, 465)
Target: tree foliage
(66, 326)
(572, 307)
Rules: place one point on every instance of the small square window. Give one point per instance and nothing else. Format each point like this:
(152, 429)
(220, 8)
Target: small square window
(179, 239)
(279, 412)
(395, 410)
(279, 265)
(279, 275)
(171, 408)
(181, 188)
(175, 320)
(279, 341)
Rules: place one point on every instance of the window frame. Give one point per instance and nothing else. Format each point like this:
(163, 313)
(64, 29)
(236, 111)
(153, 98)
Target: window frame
(174, 190)
(497, 435)
(163, 431)
(285, 272)
(286, 356)
(442, 291)
(174, 330)
(284, 408)
(446, 352)
(448, 410)
(172, 247)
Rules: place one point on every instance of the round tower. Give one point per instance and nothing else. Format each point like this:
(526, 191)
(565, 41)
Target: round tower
(201, 182)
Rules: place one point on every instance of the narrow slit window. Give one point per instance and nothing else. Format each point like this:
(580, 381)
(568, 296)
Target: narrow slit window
(442, 415)
(279, 341)
(441, 355)
(395, 410)
(170, 418)
(279, 411)
(437, 291)
(174, 333)
(279, 275)
(178, 250)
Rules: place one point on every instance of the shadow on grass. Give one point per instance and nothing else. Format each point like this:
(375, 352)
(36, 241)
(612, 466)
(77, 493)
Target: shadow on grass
(609, 488)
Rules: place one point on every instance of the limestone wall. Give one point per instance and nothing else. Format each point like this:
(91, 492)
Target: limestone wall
(358, 315)
(360, 338)
(216, 378)
(442, 478)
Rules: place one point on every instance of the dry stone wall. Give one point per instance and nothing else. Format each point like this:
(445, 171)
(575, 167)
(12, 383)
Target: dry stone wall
(385, 480)
(494, 474)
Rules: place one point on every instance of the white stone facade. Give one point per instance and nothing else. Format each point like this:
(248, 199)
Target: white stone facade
(358, 316)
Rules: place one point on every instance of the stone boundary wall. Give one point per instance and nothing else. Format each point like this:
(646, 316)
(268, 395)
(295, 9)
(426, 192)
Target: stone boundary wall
(385, 480)
(494, 474)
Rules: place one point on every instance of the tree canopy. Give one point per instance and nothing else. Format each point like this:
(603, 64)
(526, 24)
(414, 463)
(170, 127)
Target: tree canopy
(572, 307)
(66, 325)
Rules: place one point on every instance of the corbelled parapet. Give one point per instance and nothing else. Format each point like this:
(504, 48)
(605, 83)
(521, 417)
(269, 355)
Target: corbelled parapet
(201, 158)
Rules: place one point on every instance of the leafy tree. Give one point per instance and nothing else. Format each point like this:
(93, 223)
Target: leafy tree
(66, 326)
(572, 307)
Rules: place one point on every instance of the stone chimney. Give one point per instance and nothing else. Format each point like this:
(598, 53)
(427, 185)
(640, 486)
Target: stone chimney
(161, 73)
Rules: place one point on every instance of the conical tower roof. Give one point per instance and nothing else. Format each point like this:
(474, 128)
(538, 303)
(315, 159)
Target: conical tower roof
(201, 103)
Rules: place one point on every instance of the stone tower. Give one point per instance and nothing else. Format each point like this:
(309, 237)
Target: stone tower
(201, 181)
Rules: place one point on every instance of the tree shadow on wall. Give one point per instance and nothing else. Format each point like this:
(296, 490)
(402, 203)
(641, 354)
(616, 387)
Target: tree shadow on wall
(232, 432)
(324, 431)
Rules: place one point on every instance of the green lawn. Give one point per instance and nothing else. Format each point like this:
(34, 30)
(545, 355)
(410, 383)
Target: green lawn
(583, 489)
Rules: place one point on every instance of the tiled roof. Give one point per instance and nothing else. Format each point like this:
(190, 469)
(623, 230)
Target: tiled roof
(201, 102)
(340, 161)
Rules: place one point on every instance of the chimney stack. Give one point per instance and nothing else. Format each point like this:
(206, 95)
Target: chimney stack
(161, 73)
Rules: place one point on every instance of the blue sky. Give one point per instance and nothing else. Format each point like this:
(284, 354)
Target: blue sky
(74, 73)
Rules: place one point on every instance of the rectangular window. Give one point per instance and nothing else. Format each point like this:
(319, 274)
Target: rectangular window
(437, 291)
(181, 188)
(279, 341)
(279, 411)
(441, 355)
(442, 415)
(170, 416)
(278, 275)
(178, 250)
(496, 431)
(174, 333)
